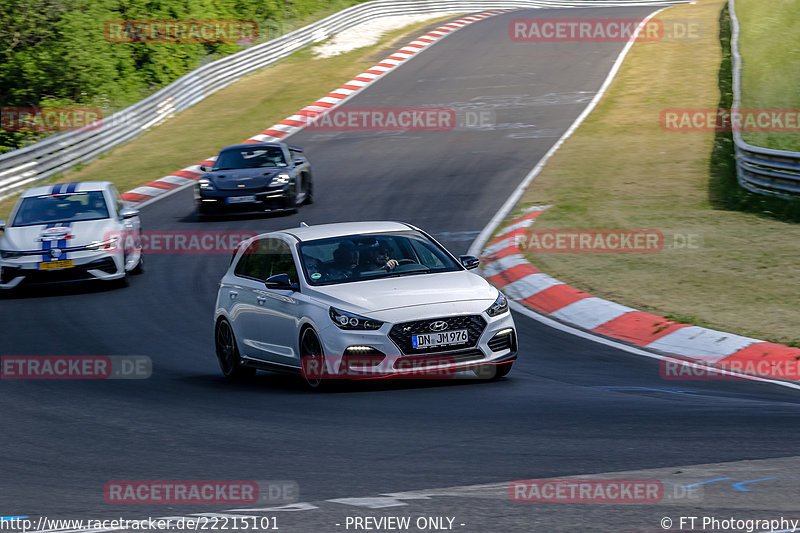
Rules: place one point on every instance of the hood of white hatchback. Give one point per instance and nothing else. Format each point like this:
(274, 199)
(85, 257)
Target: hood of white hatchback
(406, 291)
(29, 238)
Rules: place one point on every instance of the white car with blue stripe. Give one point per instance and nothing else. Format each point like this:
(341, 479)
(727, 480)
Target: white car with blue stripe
(69, 232)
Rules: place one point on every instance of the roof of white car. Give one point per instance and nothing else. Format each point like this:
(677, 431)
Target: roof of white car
(81, 186)
(325, 231)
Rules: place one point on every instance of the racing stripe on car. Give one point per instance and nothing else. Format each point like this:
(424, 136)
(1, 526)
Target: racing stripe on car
(62, 243)
(46, 245)
(505, 266)
(291, 124)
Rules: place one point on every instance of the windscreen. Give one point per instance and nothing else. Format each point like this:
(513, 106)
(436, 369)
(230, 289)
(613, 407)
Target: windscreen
(365, 257)
(71, 207)
(271, 157)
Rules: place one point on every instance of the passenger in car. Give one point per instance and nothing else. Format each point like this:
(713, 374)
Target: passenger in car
(345, 262)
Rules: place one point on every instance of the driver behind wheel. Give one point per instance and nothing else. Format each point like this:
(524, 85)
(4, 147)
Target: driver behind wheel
(379, 258)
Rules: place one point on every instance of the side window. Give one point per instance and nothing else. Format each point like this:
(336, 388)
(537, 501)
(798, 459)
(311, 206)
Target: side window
(264, 258)
(254, 263)
(282, 261)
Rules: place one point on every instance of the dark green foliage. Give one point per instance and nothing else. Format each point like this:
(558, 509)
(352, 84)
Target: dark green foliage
(54, 53)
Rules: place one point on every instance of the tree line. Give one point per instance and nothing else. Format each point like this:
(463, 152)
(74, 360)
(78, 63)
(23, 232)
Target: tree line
(59, 53)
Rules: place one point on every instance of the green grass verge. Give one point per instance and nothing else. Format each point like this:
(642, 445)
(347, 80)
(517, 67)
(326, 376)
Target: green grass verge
(235, 113)
(770, 47)
(622, 170)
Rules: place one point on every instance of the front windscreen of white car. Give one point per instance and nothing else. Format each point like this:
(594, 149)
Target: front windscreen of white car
(372, 256)
(69, 207)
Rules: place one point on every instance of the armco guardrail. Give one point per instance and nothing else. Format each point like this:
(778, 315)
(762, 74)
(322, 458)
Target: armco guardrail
(760, 170)
(60, 153)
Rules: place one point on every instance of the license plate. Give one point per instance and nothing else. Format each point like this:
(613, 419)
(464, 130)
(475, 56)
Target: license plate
(56, 265)
(441, 338)
(240, 199)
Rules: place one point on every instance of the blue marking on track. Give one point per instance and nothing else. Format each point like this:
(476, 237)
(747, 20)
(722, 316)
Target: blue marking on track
(738, 486)
(688, 489)
(643, 389)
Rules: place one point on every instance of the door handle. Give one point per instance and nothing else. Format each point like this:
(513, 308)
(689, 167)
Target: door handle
(233, 295)
(261, 299)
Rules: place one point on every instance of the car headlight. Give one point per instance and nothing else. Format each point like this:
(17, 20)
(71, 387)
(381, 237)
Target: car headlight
(345, 320)
(281, 179)
(8, 254)
(109, 244)
(205, 184)
(499, 306)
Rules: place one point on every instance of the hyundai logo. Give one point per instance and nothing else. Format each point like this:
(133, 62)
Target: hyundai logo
(439, 325)
(55, 253)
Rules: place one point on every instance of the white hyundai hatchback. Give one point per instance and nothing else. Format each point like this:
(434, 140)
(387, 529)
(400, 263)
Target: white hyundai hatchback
(69, 232)
(359, 300)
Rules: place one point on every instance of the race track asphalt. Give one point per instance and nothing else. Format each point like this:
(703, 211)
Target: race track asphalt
(569, 407)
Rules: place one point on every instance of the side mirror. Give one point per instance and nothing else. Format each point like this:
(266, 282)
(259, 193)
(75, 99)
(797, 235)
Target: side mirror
(469, 261)
(129, 213)
(203, 168)
(2, 225)
(281, 282)
(299, 161)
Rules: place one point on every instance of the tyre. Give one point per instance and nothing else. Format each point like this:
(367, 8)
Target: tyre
(312, 360)
(290, 203)
(203, 211)
(122, 282)
(7, 294)
(139, 268)
(309, 190)
(502, 370)
(228, 353)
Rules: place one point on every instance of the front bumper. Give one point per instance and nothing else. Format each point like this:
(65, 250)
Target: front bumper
(216, 201)
(379, 354)
(87, 265)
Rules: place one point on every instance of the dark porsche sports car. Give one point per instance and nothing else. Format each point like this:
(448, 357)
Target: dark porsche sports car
(255, 177)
